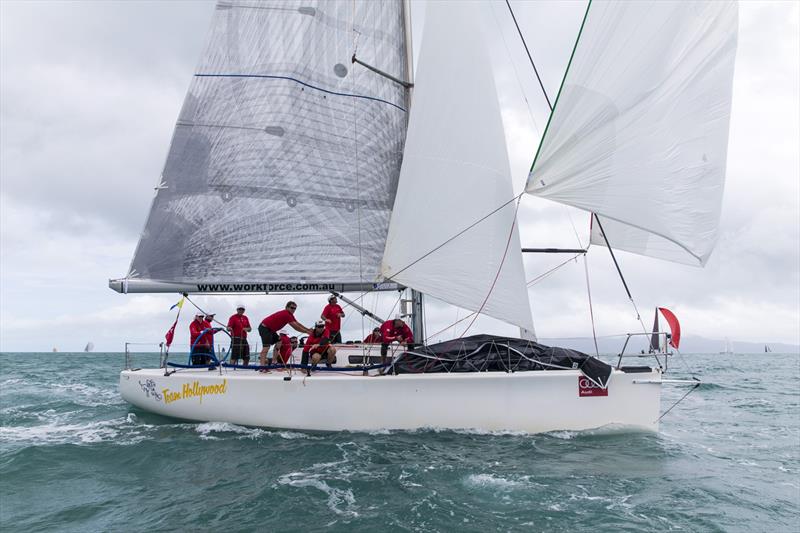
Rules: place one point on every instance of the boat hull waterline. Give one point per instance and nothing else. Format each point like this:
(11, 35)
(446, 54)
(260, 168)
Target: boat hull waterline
(530, 402)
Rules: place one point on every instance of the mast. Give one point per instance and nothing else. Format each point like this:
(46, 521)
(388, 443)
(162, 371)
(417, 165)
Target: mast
(417, 305)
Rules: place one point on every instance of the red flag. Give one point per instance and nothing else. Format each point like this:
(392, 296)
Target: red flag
(674, 325)
(171, 333)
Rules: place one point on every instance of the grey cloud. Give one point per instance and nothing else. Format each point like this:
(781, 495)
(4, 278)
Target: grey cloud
(90, 93)
(84, 88)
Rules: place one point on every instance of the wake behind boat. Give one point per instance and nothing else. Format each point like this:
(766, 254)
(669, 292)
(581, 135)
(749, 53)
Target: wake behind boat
(306, 128)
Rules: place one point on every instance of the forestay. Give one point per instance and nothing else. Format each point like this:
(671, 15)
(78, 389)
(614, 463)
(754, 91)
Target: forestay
(455, 171)
(285, 158)
(639, 132)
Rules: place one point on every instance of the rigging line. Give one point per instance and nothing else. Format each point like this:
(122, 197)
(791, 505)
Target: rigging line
(591, 308)
(202, 311)
(447, 241)
(681, 398)
(453, 325)
(529, 283)
(355, 170)
(689, 368)
(613, 257)
(459, 234)
(561, 87)
(499, 268)
(540, 277)
(574, 230)
(619, 271)
(516, 72)
(522, 38)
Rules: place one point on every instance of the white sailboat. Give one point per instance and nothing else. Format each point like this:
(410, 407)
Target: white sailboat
(304, 130)
(728, 350)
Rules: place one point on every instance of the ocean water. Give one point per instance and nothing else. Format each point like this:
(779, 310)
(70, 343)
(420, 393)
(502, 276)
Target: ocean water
(75, 457)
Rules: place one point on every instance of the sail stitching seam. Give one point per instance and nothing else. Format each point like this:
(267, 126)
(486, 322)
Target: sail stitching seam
(305, 84)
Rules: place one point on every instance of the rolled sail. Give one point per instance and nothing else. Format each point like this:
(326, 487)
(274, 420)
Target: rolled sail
(284, 162)
(639, 130)
(455, 172)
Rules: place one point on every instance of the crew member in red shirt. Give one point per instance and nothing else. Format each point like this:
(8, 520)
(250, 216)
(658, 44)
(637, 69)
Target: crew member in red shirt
(318, 344)
(374, 337)
(199, 344)
(283, 350)
(210, 324)
(394, 330)
(238, 327)
(332, 314)
(270, 326)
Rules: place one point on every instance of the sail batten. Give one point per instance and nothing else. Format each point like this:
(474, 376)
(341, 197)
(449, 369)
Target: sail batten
(640, 129)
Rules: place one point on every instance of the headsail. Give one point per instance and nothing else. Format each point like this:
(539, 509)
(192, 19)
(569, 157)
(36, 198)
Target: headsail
(639, 132)
(284, 162)
(455, 171)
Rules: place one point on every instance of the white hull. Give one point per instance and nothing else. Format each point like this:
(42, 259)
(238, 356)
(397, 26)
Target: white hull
(533, 402)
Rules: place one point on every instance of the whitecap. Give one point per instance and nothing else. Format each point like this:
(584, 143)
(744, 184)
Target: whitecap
(55, 433)
(564, 435)
(291, 435)
(208, 429)
(337, 498)
(491, 481)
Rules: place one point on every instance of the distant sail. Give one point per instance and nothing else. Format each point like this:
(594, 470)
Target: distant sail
(285, 158)
(654, 341)
(89, 347)
(639, 131)
(455, 171)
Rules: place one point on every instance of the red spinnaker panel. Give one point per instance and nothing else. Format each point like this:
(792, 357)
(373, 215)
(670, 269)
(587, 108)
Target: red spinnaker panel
(674, 326)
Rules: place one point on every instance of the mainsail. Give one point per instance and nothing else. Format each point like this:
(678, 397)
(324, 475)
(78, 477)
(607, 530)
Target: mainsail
(455, 171)
(639, 131)
(284, 162)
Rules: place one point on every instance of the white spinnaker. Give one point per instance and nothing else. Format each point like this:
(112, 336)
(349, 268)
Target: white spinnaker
(455, 171)
(639, 133)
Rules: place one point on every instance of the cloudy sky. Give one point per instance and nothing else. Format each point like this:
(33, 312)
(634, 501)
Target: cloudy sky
(90, 91)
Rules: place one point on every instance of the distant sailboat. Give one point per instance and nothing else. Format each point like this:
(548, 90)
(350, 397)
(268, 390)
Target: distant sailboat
(727, 350)
(654, 343)
(767, 349)
(89, 347)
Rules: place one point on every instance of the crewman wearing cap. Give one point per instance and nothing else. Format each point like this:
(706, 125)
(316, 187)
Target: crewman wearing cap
(209, 319)
(332, 314)
(283, 349)
(318, 344)
(269, 327)
(374, 337)
(201, 344)
(394, 330)
(239, 327)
